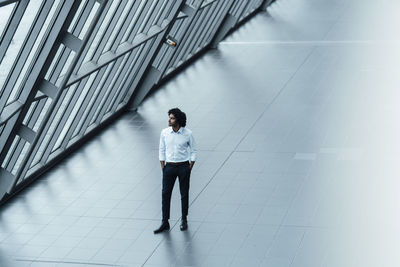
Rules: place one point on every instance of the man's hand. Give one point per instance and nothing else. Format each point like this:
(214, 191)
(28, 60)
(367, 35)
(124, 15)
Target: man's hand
(162, 164)
(191, 165)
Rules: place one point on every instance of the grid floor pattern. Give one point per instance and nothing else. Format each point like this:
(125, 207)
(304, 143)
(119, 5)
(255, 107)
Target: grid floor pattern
(295, 119)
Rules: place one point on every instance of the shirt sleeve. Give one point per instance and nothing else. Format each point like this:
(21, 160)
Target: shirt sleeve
(193, 148)
(161, 148)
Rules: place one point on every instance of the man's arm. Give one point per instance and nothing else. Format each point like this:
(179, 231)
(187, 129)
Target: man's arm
(161, 151)
(193, 151)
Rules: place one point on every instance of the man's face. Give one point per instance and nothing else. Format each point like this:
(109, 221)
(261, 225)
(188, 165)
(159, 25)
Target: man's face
(172, 121)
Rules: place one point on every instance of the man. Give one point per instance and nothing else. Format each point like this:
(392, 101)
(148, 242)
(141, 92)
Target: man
(177, 154)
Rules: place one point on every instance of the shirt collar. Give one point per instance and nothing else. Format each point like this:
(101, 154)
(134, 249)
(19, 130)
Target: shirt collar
(179, 131)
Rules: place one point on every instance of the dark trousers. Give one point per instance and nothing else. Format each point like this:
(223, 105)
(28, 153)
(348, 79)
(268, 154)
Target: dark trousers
(170, 173)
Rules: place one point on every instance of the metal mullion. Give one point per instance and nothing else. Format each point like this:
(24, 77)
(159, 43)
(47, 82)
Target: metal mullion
(197, 38)
(247, 9)
(5, 135)
(92, 37)
(63, 120)
(36, 113)
(169, 52)
(182, 48)
(139, 72)
(133, 58)
(254, 6)
(174, 52)
(108, 32)
(186, 44)
(116, 79)
(22, 56)
(37, 69)
(7, 161)
(160, 56)
(16, 152)
(123, 28)
(34, 106)
(46, 122)
(82, 17)
(136, 72)
(62, 59)
(139, 20)
(196, 31)
(7, 156)
(170, 13)
(222, 12)
(151, 14)
(11, 152)
(216, 21)
(82, 108)
(50, 112)
(129, 75)
(224, 26)
(207, 18)
(100, 96)
(242, 10)
(11, 27)
(185, 38)
(151, 75)
(236, 7)
(165, 11)
(92, 108)
(31, 122)
(201, 39)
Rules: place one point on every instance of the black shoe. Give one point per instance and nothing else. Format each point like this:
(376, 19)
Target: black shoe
(163, 227)
(184, 225)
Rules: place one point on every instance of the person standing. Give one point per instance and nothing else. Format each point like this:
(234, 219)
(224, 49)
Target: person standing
(177, 155)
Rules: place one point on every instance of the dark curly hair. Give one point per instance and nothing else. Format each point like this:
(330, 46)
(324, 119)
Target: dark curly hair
(179, 115)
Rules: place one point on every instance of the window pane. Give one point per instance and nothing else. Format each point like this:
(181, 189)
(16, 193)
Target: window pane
(5, 13)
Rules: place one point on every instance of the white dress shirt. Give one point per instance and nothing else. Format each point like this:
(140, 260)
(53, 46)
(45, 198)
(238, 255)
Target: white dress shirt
(177, 146)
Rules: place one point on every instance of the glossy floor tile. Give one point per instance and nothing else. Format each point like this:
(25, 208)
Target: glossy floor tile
(295, 116)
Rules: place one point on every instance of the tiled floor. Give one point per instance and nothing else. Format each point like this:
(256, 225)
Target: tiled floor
(295, 115)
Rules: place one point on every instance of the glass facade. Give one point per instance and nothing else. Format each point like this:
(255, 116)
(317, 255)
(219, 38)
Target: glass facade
(69, 66)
